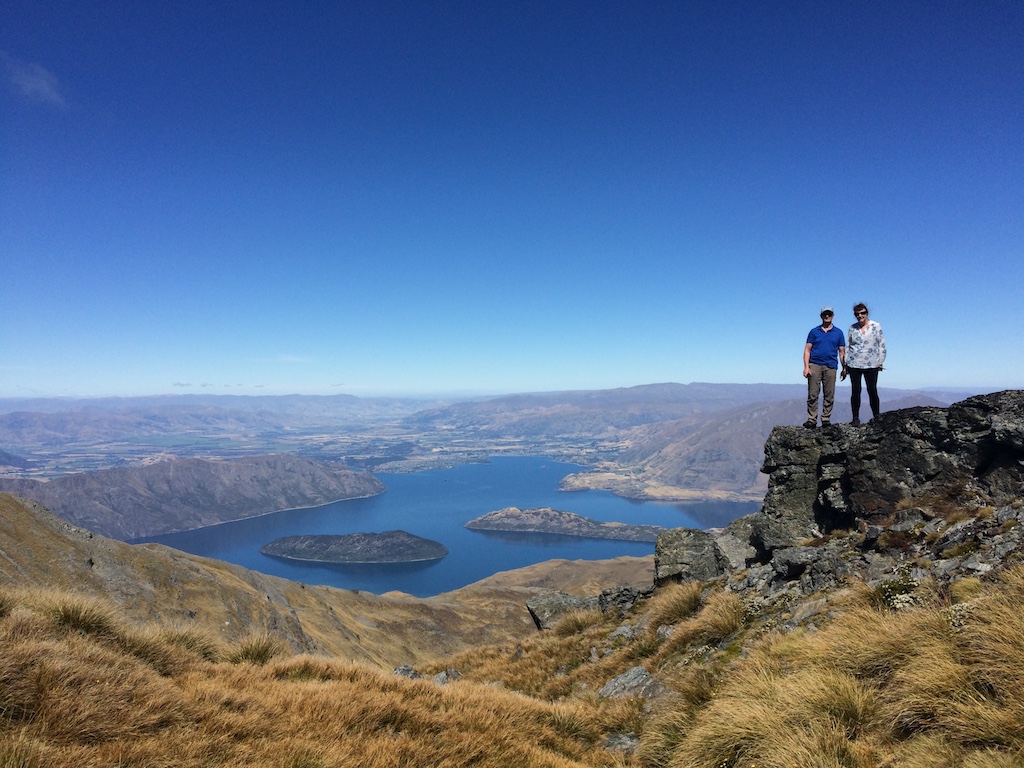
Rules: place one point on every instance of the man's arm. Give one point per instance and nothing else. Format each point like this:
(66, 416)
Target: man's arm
(807, 359)
(842, 363)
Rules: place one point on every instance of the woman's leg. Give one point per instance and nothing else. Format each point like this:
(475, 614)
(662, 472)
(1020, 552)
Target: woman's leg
(855, 374)
(871, 378)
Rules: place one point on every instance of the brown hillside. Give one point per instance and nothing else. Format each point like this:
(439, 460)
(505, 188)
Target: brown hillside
(182, 494)
(150, 582)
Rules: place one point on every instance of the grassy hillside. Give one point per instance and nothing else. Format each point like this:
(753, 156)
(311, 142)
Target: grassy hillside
(937, 684)
(902, 674)
(80, 688)
(150, 582)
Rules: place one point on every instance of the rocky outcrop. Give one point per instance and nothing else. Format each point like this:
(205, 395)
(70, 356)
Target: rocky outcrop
(922, 491)
(967, 456)
(634, 682)
(923, 494)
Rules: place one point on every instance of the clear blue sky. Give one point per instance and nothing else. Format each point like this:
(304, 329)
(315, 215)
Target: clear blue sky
(421, 197)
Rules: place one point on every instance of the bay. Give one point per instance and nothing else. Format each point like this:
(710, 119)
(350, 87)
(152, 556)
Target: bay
(436, 504)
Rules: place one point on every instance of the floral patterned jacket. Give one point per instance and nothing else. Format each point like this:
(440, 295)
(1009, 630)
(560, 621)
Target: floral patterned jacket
(865, 348)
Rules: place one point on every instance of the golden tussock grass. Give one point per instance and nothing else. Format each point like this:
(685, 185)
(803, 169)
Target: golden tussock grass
(721, 616)
(79, 688)
(875, 687)
(939, 682)
(674, 602)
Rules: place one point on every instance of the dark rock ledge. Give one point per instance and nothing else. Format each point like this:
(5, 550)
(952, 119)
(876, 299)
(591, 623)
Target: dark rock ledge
(923, 492)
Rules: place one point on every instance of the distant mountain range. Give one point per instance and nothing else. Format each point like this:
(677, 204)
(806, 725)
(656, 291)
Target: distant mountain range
(130, 467)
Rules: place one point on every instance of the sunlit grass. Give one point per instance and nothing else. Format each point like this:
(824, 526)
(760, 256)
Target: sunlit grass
(937, 683)
(79, 688)
(874, 687)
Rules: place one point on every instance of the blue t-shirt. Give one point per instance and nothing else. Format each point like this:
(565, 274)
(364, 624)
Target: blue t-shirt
(825, 345)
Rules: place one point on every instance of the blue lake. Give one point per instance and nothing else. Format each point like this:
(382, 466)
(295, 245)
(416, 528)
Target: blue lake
(436, 504)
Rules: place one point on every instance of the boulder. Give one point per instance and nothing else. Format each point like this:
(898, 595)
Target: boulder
(682, 554)
(548, 607)
(620, 599)
(635, 682)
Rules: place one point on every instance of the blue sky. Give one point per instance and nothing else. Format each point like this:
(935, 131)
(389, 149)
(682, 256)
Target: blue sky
(440, 197)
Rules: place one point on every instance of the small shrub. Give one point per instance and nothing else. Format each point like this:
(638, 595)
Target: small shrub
(893, 593)
(897, 540)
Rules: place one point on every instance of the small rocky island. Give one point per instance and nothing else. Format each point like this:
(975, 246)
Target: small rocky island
(357, 548)
(548, 520)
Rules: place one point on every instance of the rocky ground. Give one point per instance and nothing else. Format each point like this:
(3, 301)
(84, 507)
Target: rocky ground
(923, 494)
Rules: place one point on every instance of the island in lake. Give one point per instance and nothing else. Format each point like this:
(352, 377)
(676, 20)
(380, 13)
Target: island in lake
(548, 520)
(357, 548)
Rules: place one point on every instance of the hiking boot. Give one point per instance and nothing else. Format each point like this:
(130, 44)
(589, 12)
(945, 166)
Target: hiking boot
(826, 423)
(810, 424)
(855, 422)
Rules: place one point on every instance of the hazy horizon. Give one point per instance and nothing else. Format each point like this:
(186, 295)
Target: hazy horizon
(798, 388)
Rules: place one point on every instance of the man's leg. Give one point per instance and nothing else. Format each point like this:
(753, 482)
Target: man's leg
(813, 387)
(828, 386)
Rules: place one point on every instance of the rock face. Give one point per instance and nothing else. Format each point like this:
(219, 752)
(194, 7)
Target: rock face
(687, 553)
(357, 548)
(967, 455)
(867, 501)
(548, 520)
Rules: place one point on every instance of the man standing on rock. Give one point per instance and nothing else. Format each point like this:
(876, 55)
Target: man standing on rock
(823, 343)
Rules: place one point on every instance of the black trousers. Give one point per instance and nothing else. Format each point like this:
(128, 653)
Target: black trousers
(871, 379)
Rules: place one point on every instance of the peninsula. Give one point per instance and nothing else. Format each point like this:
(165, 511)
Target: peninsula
(548, 520)
(357, 548)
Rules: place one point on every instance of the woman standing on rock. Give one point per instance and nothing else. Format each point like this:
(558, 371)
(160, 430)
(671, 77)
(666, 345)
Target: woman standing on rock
(865, 353)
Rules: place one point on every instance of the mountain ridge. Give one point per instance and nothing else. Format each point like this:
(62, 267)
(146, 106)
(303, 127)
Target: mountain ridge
(180, 494)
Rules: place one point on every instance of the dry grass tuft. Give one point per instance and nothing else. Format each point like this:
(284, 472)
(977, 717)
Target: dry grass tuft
(575, 622)
(936, 680)
(673, 603)
(721, 616)
(258, 648)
